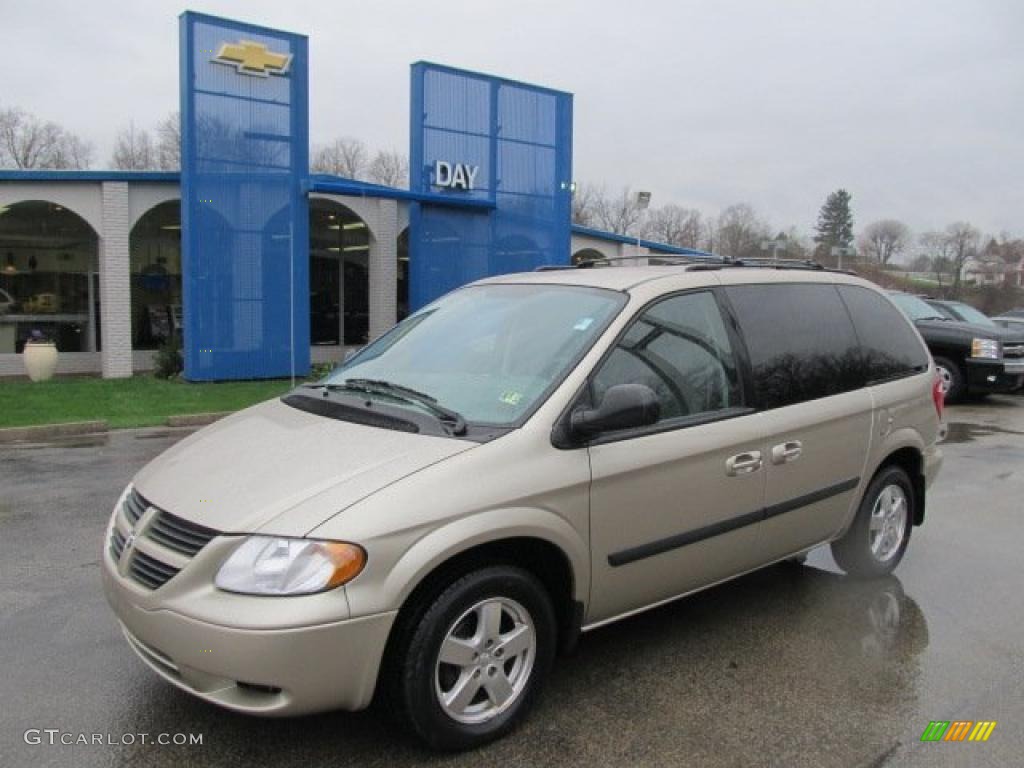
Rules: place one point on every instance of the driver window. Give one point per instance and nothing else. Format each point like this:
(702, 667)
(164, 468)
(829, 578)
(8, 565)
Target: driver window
(679, 348)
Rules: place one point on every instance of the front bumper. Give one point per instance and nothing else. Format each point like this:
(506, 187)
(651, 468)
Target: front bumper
(284, 671)
(995, 376)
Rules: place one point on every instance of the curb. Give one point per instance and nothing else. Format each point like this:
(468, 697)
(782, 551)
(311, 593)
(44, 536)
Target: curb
(48, 431)
(196, 419)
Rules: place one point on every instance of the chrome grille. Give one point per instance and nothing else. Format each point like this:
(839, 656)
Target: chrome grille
(116, 544)
(149, 571)
(1013, 350)
(179, 535)
(164, 533)
(134, 506)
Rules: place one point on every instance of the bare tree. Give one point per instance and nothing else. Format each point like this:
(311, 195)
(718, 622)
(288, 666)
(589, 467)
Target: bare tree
(921, 263)
(962, 242)
(884, 240)
(936, 249)
(168, 142)
(740, 231)
(390, 168)
(343, 157)
(618, 214)
(585, 199)
(71, 152)
(709, 234)
(28, 142)
(675, 225)
(133, 150)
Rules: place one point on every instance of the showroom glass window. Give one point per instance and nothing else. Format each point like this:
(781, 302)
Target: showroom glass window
(680, 349)
(48, 277)
(800, 339)
(889, 345)
(155, 248)
(339, 275)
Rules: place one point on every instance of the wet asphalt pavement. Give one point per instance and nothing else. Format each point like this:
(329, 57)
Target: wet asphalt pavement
(790, 666)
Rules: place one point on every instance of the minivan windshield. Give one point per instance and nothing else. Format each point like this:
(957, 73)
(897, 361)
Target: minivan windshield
(915, 308)
(488, 353)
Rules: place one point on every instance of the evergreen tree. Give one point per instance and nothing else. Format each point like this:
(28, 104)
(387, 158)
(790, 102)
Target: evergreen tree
(835, 221)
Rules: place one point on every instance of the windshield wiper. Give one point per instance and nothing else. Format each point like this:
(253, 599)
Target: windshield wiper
(390, 389)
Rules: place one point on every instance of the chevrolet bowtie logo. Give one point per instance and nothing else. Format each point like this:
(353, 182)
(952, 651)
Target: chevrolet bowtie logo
(252, 58)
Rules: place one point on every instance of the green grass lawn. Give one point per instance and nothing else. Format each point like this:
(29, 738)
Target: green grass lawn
(140, 401)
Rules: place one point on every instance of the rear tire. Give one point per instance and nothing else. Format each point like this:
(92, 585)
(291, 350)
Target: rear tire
(467, 670)
(878, 538)
(952, 379)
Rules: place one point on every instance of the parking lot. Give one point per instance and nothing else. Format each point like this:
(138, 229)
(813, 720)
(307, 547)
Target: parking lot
(790, 666)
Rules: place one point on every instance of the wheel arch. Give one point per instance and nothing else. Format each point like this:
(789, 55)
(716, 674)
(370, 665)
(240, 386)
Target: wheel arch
(910, 458)
(540, 542)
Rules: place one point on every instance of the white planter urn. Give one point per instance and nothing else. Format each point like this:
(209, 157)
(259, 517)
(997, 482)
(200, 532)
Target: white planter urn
(40, 359)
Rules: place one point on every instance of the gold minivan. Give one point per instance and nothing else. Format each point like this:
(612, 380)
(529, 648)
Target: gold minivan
(527, 458)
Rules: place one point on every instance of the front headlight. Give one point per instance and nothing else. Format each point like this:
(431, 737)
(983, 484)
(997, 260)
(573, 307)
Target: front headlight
(270, 565)
(988, 348)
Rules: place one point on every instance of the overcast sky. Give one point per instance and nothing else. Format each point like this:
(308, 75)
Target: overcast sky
(917, 108)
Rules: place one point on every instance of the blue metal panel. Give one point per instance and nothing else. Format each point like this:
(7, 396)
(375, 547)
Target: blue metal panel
(519, 138)
(245, 217)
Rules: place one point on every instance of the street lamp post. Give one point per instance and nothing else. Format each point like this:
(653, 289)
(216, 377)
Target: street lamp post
(842, 250)
(643, 201)
(774, 246)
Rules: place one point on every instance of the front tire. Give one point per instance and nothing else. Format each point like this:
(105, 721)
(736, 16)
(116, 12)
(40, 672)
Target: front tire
(878, 538)
(471, 666)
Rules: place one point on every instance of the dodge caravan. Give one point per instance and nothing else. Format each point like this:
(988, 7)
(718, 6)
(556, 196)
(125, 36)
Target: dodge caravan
(527, 458)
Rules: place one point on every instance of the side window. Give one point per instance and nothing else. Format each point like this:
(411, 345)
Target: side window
(681, 350)
(801, 341)
(889, 344)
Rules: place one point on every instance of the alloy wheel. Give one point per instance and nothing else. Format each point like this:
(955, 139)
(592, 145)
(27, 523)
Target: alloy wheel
(485, 660)
(888, 524)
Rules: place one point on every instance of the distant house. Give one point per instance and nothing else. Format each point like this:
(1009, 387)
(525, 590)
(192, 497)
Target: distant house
(992, 270)
(1015, 276)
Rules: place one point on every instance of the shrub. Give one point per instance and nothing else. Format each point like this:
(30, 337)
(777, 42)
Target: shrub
(168, 361)
(320, 370)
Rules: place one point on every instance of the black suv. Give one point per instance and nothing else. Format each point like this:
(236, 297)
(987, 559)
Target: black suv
(971, 357)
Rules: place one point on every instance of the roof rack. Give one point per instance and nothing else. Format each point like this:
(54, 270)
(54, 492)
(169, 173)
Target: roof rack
(767, 263)
(703, 263)
(663, 260)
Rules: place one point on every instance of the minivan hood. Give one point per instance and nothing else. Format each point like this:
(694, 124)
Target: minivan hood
(276, 469)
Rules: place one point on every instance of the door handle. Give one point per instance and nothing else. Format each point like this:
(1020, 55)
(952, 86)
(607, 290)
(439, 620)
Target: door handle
(783, 453)
(743, 463)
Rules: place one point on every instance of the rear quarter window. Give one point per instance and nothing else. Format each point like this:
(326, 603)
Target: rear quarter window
(800, 340)
(890, 346)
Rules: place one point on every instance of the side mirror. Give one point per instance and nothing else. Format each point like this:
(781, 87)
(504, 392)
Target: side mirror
(625, 406)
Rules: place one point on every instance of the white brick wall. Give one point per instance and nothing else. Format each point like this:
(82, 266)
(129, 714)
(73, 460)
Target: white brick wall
(115, 283)
(383, 297)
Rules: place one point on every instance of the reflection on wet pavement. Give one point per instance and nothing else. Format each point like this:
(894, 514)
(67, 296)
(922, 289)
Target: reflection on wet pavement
(962, 432)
